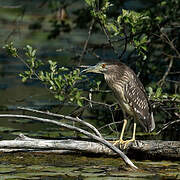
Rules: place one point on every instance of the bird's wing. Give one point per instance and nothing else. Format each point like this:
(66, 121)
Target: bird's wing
(136, 97)
(140, 85)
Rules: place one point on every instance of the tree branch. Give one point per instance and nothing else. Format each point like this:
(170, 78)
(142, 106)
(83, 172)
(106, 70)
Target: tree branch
(65, 117)
(161, 82)
(86, 43)
(125, 45)
(108, 38)
(167, 125)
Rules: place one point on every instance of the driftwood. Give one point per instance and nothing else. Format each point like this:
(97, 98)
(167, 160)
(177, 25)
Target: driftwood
(138, 150)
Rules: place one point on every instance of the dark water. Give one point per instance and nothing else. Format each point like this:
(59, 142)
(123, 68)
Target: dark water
(13, 93)
(26, 166)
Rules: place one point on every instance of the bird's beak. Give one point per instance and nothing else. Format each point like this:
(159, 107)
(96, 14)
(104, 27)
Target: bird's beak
(92, 69)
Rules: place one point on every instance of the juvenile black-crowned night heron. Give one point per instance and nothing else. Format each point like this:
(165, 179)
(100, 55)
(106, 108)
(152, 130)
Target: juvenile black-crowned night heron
(129, 93)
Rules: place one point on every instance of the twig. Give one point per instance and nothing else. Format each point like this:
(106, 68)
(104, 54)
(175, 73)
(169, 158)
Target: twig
(170, 43)
(118, 122)
(101, 91)
(173, 81)
(94, 54)
(164, 37)
(90, 135)
(167, 125)
(65, 117)
(165, 110)
(99, 103)
(109, 106)
(16, 21)
(108, 38)
(178, 72)
(125, 45)
(116, 131)
(87, 40)
(161, 82)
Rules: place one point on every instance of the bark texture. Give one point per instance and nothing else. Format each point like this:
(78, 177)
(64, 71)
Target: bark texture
(153, 149)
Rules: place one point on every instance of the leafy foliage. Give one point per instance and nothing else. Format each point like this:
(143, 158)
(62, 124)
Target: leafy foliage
(61, 81)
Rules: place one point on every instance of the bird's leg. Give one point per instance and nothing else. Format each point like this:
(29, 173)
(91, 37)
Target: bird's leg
(123, 129)
(121, 141)
(122, 134)
(130, 140)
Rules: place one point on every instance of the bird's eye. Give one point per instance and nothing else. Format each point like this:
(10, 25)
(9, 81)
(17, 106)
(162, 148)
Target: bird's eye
(103, 65)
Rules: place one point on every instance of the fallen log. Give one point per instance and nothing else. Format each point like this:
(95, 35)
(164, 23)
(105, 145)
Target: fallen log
(154, 149)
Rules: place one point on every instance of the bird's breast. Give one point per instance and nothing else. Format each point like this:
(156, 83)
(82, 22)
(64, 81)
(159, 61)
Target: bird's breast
(117, 86)
(122, 101)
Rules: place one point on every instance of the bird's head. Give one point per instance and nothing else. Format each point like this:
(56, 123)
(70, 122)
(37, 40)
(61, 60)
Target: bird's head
(101, 68)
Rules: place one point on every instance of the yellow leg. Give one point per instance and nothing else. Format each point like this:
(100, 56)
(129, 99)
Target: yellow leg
(121, 141)
(133, 137)
(123, 129)
(122, 134)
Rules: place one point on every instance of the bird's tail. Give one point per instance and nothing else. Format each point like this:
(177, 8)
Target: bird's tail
(151, 125)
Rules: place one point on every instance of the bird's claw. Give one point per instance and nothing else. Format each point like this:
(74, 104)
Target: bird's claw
(123, 144)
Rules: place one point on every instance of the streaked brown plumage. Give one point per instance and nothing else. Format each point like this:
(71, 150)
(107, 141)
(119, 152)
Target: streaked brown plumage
(128, 91)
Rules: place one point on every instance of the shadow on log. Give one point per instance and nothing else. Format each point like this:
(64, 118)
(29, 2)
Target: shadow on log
(154, 150)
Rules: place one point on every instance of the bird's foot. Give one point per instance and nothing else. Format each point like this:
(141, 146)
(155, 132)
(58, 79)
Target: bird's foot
(123, 144)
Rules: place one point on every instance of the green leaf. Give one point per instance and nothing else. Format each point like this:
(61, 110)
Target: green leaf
(29, 48)
(144, 48)
(78, 93)
(79, 103)
(11, 50)
(58, 83)
(90, 2)
(63, 69)
(158, 92)
(61, 98)
(33, 53)
(144, 40)
(41, 75)
(150, 89)
(24, 79)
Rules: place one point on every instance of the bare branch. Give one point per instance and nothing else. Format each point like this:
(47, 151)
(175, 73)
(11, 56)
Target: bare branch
(116, 130)
(86, 42)
(92, 51)
(125, 45)
(107, 125)
(108, 38)
(167, 125)
(164, 37)
(99, 103)
(161, 82)
(170, 43)
(65, 117)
